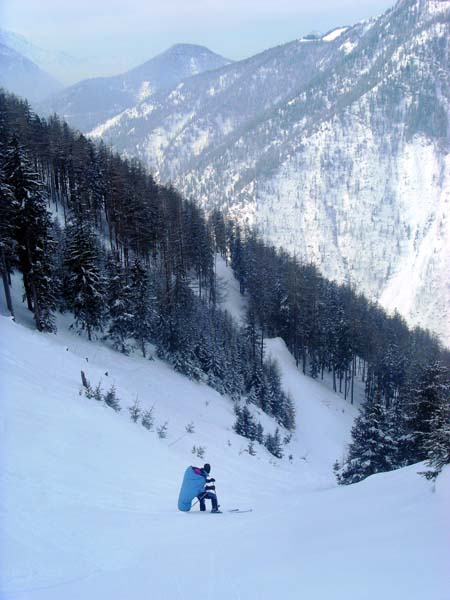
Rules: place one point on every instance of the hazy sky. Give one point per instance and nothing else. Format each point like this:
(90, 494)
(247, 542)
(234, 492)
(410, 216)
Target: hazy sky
(122, 33)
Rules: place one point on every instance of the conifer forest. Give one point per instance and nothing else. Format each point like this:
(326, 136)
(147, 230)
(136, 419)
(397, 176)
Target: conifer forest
(92, 234)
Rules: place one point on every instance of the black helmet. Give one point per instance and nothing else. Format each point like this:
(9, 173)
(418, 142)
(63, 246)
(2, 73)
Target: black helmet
(207, 467)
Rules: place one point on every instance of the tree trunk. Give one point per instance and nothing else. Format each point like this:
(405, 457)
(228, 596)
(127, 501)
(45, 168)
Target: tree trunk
(84, 381)
(27, 292)
(4, 270)
(37, 310)
(262, 346)
(353, 380)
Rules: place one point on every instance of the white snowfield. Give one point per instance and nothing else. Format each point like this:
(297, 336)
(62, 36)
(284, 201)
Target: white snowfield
(88, 505)
(334, 34)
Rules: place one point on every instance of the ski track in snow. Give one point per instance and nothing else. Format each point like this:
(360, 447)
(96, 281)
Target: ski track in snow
(88, 503)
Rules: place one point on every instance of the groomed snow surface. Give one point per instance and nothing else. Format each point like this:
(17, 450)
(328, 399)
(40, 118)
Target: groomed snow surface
(88, 498)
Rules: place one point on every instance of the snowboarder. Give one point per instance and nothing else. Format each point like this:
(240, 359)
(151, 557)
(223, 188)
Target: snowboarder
(197, 483)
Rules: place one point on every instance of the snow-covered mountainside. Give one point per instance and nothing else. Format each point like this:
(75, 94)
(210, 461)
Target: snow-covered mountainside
(88, 503)
(335, 147)
(92, 101)
(21, 76)
(59, 64)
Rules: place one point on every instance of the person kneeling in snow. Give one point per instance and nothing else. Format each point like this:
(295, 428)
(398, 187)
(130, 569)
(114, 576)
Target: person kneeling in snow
(196, 483)
(209, 491)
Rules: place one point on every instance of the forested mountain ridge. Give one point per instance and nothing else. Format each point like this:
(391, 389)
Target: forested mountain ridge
(134, 262)
(90, 102)
(338, 151)
(178, 125)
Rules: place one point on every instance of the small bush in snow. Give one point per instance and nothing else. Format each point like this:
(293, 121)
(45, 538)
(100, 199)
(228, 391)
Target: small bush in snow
(135, 411)
(148, 419)
(88, 391)
(111, 399)
(98, 393)
(198, 451)
(93, 393)
(162, 430)
(190, 427)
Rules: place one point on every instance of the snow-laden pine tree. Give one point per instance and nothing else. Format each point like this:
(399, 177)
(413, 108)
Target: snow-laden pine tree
(135, 411)
(372, 449)
(148, 419)
(110, 398)
(287, 416)
(431, 390)
(32, 232)
(273, 444)
(251, 333)
(437, 442)
(397, 429)
(391, 372)
(429, 418)
(85, 283)
(245, 424)
(119, 304)
(143, 305)
(8, 207)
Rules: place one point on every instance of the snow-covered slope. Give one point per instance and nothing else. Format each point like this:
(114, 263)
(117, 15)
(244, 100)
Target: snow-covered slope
(88, 503)
(174, 127)
(336, 148)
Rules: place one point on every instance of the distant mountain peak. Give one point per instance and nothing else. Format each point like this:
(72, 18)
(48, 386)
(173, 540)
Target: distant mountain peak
(188, 51)
(20, 75)
(59, 64)
(189, 48)
(91, 102)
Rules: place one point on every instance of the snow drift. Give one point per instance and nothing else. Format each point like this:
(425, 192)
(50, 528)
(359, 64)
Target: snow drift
(88, 505)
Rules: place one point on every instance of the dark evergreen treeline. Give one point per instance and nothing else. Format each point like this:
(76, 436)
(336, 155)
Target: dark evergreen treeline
(93, 234)
(330, 329)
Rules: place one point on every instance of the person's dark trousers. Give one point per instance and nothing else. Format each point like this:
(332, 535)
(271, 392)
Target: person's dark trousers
(208, 496)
